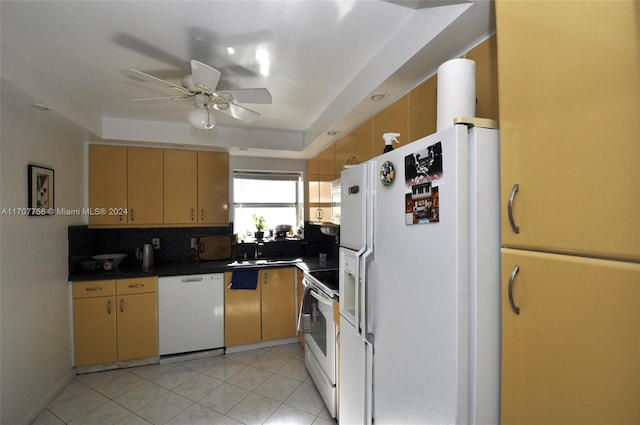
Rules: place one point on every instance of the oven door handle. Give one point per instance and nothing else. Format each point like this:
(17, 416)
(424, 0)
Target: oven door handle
(322, 299)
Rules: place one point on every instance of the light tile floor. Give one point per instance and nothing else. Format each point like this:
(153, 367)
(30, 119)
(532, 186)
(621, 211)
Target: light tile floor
(264, 386)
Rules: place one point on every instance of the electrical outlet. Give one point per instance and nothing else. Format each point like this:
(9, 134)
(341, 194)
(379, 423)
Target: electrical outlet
(193, 243)
(156, 243)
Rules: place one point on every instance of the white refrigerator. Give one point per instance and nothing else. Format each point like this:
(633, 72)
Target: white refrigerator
(420, 283)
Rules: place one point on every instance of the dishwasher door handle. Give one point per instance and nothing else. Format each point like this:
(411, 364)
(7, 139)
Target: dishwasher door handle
(192, 279)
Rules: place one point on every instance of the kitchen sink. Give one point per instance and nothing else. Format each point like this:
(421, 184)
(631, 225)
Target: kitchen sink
(264, 262)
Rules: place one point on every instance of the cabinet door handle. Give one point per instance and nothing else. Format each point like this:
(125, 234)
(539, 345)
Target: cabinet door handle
(514, 190)
(320, 213)
(512, 278)
(136, 285)
(133, 216)
(109, 307)
(192, 214)
(121, 305)
(93, 288)
(202, 214)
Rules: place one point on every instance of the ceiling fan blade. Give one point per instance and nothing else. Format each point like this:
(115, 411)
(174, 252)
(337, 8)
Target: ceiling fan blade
(134, 73)
(153, 99)
(145, 48)
(205, 75)
(261, 96)
(236, 111)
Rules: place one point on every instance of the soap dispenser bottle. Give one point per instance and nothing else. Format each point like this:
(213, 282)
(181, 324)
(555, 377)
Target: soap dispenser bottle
(389, 138)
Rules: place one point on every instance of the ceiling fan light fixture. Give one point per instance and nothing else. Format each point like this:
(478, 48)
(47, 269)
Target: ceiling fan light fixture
(201, 118)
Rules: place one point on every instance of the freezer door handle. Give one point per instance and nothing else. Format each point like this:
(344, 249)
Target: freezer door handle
(354, 189)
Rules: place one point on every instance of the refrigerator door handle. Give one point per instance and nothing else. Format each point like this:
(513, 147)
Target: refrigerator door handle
(368, 397)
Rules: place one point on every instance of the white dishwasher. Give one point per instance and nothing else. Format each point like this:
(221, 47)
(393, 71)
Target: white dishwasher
(190, 313)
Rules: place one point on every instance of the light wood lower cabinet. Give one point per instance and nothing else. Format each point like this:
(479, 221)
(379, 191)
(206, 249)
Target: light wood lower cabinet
(242, 317)
(115, 320)
(94, 322)
(300, 299)
(571, 354)
(278, 303)
(266, 313)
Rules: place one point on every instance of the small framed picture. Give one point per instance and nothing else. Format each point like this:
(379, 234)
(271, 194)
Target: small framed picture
(41, 190)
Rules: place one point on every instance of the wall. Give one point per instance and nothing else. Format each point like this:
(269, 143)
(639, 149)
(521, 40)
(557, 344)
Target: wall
(35, 337)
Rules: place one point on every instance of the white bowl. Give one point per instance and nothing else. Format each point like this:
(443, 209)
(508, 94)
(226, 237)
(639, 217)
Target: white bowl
(109, 261)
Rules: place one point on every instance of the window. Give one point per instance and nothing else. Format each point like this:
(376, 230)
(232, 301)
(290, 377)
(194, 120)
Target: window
(277, 196)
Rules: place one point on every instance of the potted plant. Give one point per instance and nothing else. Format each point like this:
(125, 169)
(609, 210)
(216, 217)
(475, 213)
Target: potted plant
(260, 224)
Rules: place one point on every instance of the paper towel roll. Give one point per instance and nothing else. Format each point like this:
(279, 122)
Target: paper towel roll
(456, 91)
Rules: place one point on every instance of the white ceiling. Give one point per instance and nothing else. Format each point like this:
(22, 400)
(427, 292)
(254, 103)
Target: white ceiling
(326, 58)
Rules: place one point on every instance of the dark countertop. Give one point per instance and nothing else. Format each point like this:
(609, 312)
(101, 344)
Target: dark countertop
(181, 268)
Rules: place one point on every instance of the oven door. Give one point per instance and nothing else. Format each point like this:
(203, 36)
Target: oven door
(320, 355)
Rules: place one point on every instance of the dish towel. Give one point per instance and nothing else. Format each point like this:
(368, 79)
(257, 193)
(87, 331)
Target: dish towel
(304, 319)
(244, 279)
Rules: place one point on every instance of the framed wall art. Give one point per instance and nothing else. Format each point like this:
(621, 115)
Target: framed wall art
(41, 190)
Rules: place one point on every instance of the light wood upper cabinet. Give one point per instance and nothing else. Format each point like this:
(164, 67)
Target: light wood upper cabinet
(318, 189)
(327, 164)
(569, 107)
(107, 184)
(213, 188)
(423, 100)
(393, 119)
(485, 55)
(155, 187)
(180, 178)
(356, 147)
(144, 186)
(571, 355)
(343, 153)
(278, 303)
(423, 109)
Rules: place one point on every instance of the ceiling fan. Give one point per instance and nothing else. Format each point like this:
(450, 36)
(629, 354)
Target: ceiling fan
(200, 87)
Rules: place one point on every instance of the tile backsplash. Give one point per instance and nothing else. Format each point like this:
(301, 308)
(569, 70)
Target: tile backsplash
(175, 244)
